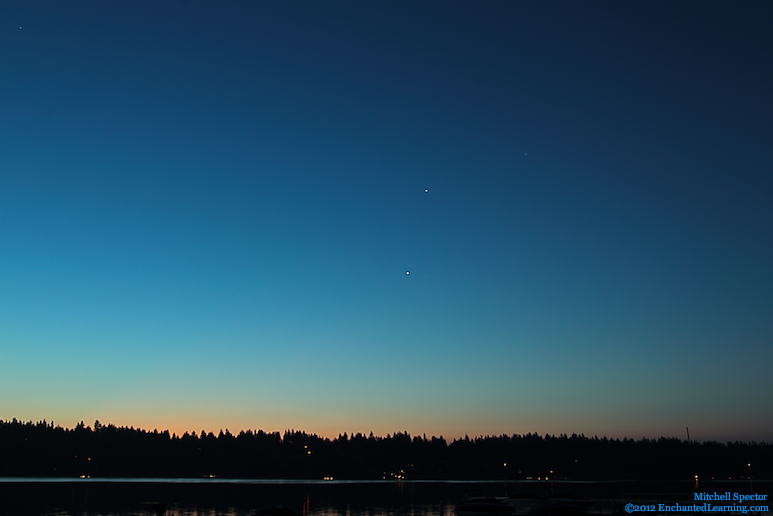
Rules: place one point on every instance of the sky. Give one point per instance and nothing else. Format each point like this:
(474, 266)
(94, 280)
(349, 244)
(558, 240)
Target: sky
(208, 211)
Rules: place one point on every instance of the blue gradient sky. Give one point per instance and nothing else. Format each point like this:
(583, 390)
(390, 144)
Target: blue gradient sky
(207, 210)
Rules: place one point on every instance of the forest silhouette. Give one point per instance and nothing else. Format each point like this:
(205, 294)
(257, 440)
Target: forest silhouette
(44, 450)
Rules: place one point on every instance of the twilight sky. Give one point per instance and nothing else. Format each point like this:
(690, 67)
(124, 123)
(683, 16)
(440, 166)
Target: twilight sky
(207, 212)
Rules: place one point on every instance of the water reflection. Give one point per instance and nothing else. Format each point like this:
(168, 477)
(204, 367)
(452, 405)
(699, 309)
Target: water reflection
(196, 510)
(183, 497)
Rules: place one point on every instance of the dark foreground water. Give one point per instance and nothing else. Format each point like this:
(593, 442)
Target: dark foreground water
(216, 497)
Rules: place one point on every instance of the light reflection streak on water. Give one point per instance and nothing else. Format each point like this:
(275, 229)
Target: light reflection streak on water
(440, 509)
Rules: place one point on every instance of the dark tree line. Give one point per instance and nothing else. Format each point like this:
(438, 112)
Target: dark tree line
(42, 449)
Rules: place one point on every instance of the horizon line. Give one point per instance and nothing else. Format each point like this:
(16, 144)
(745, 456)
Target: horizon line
(98, 425)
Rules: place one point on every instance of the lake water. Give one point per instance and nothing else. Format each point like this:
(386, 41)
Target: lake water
(216, 497)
